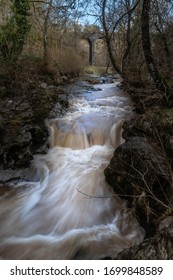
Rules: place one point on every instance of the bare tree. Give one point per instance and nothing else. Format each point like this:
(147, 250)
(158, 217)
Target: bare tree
(158, 79)
(50, 13)
(116, 17)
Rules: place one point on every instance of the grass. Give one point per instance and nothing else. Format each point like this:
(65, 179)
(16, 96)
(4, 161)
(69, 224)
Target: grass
(97, 70)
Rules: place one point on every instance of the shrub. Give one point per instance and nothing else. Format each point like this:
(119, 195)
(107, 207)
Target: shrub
(64, 62)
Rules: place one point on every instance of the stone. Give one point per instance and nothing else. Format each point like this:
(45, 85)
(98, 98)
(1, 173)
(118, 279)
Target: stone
(139, 126)
(43, 85)
(22, 124)
(159, 247)
(138, 173)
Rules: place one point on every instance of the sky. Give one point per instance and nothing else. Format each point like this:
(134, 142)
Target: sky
(89, 18)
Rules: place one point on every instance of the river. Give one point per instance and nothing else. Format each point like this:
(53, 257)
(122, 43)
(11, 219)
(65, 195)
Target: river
(67, 210)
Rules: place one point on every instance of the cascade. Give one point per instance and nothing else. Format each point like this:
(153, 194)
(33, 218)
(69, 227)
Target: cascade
(67, 210)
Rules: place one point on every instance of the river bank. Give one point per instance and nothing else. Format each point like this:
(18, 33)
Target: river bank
(141, 172)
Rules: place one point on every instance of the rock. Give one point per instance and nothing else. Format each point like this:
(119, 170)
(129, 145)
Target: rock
(15, 143)
(139, 126)
(162, 119)
(39, 135)
(22, 124)
(140, 174)
(140, 170)
(43, 85)
(39, 139)
(19, 136)
(143, 97)
(159, 247)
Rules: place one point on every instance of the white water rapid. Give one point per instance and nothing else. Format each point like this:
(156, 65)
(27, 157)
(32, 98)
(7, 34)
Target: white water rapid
(71, 212)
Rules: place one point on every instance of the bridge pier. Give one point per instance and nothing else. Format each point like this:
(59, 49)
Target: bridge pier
(91, 41)
(91, 51)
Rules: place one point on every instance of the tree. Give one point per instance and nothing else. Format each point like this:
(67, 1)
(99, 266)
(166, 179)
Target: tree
(56, 14)
(116, 18)
(13, 33)
(138, 38)
(159, 81)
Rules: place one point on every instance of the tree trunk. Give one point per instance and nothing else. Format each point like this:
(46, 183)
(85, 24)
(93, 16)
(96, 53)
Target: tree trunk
(45, 29)
(146, 43)
(108, 40)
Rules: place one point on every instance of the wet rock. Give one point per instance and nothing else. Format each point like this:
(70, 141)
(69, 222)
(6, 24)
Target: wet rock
(38, 135)
(15, 143)
(18, 136)
(139, 173)
(22, 125)
(159, 247)
(39, 139)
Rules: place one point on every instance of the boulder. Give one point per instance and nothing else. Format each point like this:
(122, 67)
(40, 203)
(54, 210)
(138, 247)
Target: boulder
(140, 173)
(159, 247)
(15, 144)
(22, 125)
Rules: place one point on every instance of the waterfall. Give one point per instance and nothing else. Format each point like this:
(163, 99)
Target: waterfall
(70, 212)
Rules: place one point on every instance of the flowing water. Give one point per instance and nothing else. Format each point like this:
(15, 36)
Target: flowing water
(71, 212)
